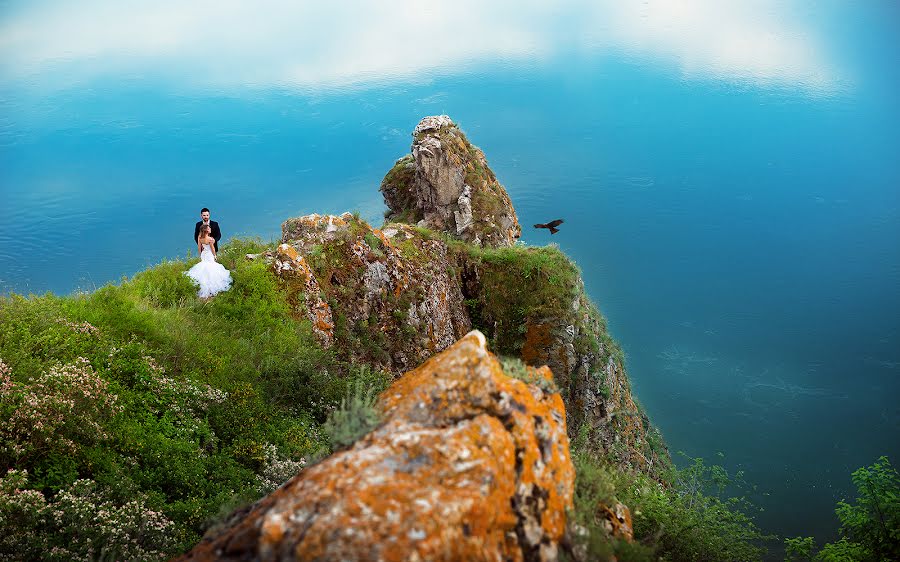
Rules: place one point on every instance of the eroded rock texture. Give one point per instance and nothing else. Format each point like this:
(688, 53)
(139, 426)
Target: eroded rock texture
(389, 298)
(395, 296)
(446, 184)
(589, 365)
(468, 464)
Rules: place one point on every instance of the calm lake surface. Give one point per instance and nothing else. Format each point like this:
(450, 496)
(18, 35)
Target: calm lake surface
(729, 179)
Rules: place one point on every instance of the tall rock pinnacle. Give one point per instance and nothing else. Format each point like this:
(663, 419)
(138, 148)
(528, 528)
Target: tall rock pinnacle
(445, 184)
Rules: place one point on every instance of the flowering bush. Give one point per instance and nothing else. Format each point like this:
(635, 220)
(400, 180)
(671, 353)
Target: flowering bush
(61, 408)
(80, 327)
(140, 391)
(276, 470)
(80, 523)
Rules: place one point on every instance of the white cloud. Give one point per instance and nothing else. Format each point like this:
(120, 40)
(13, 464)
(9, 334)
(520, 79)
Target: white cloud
(757, 41)
(329, 43)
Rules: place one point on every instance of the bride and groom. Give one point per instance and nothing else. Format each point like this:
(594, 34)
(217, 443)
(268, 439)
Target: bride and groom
(209, 275)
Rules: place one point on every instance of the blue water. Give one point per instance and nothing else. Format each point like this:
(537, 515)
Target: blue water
(736, 216)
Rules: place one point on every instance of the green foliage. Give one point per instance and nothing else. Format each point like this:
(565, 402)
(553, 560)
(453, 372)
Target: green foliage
(846, 551)
(696, 519)
(688, 521)
(870, 527)
(798, 549)
(79, 523)
(150, 394)
(519, 284)
(356, 416)
(517, 369)
(873, 521)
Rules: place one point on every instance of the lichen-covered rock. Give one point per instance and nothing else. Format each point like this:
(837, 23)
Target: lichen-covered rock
(292, 269)
(394, 297)
(389, 298)
(617, 521)
(468, 464)
(533, 304)
(589, 364)
(447, 185)
(400, 294)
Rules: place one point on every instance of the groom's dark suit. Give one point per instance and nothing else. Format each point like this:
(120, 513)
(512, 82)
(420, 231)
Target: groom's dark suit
(213, 231)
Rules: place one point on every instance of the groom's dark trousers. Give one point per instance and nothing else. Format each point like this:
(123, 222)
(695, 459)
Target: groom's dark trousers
(213, 231)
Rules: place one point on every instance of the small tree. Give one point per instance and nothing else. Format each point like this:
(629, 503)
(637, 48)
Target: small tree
(870, 527)
(874, 520)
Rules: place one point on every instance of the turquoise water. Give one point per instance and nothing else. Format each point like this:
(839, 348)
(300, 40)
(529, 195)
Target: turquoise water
(730, 182)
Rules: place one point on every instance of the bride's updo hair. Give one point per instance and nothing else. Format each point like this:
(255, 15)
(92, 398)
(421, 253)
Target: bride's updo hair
(204, 230)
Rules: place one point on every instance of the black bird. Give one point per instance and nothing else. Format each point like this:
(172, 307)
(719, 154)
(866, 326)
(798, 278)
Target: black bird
(551, 225)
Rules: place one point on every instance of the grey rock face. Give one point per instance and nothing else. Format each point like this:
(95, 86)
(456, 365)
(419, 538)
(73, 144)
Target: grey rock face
(447, 185)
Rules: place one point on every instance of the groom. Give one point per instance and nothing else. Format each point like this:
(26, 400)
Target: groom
(213, 228)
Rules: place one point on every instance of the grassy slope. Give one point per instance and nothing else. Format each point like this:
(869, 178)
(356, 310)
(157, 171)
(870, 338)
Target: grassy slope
(186, 450)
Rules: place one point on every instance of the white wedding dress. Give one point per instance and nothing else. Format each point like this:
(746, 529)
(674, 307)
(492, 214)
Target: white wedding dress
(209, 275)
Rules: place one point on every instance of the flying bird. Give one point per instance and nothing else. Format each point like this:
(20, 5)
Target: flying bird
(551, 225)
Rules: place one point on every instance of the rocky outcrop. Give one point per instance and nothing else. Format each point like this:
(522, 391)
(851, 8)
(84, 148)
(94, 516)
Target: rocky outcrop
(445, 184)
(393, 297)
(389, 297)
(577, 345)
(294, 271)
(468, 464)
(532, 303)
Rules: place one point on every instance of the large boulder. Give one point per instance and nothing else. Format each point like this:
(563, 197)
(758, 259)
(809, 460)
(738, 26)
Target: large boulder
(446, 184)
(468, 464)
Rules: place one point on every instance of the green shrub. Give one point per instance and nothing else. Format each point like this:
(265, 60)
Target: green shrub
(870, 527)
(357, 415)
(79, 523)
(517, 369)
(688, 520)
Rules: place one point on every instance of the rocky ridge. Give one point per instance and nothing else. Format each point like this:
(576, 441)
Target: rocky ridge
(394, 296)
(387, 297)
(397, 296)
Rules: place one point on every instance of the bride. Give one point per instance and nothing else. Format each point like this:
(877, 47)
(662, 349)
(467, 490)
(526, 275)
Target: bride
(209, 275)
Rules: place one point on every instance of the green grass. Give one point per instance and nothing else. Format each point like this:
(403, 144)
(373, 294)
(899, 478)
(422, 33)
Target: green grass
(518, 284)
(202, 389)
(517, 369)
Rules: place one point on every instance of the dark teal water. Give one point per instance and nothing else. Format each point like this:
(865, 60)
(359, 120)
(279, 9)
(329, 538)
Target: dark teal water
(735, 206)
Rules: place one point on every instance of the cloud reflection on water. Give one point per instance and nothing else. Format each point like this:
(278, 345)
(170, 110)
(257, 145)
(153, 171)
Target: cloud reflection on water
(341, 44)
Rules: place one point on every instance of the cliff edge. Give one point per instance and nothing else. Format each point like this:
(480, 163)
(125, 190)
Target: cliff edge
(394, 296)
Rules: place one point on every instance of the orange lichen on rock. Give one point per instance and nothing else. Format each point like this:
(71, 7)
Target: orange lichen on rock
(538, 343)
(468, 464)
(617, 520)
(393, 284)
(293, 270)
